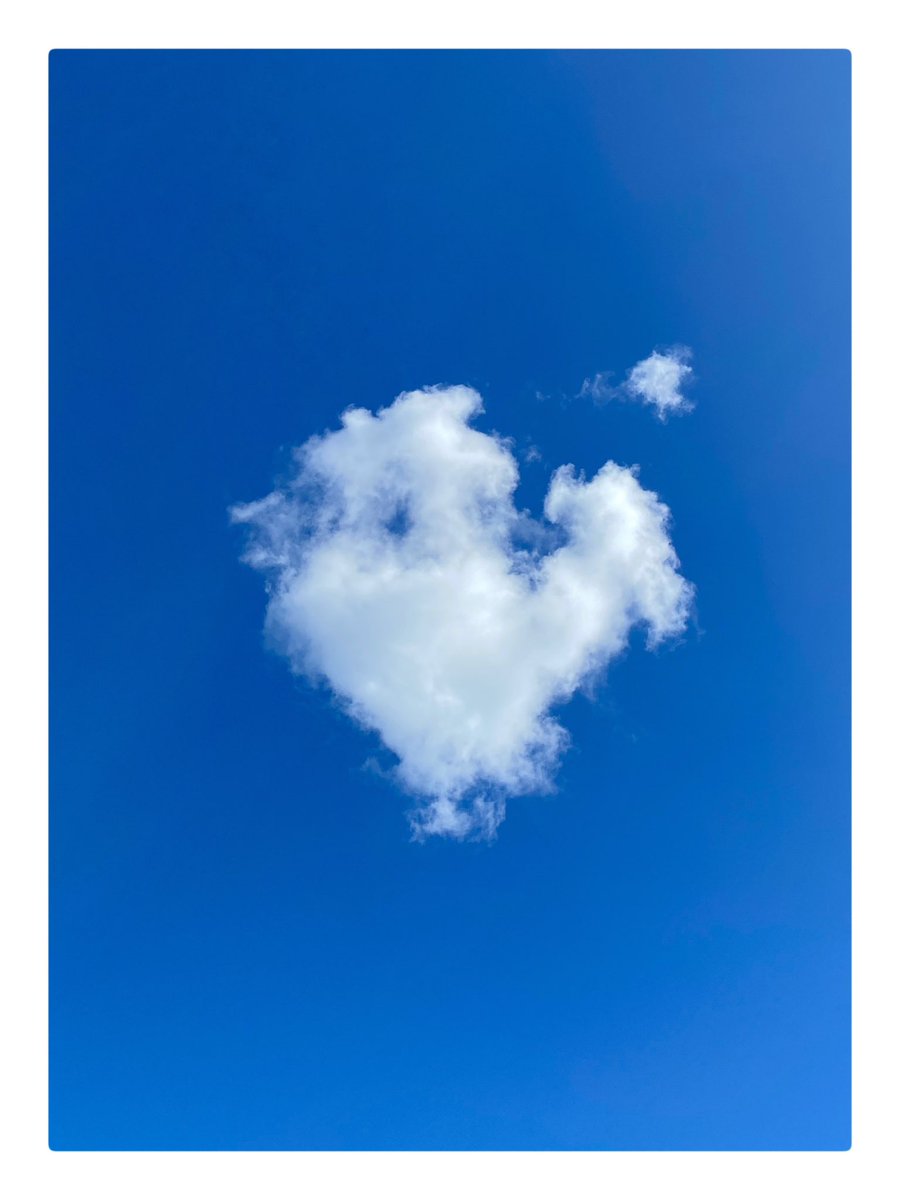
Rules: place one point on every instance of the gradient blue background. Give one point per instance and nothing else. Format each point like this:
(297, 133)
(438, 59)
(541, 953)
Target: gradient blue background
(246, 950)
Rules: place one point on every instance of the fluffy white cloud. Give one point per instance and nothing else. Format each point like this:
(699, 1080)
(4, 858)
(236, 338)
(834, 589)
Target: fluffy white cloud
(402, 575)
(658, 380)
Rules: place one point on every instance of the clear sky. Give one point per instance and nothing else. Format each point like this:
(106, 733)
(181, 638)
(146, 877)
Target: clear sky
(248, 951)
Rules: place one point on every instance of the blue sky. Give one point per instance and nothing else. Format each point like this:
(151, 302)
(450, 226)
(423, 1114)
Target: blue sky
(247, 950)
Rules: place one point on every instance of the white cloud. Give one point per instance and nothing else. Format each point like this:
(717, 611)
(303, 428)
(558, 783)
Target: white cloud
(598, 388)
(401, 574)
(658, 380)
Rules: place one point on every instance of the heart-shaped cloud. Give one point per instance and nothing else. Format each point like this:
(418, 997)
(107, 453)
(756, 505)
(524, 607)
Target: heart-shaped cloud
(398, 576)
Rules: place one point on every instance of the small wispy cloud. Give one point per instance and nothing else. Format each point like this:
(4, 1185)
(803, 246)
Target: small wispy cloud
(659, 379)
(402, 575)
(599, 388)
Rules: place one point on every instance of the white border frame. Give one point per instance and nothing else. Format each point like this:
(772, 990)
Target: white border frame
(865, 1170)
